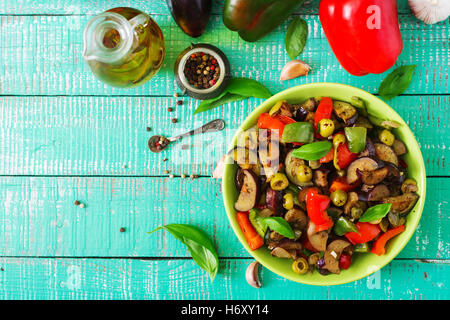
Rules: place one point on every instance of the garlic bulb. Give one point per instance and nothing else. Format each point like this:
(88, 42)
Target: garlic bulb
(430, 11)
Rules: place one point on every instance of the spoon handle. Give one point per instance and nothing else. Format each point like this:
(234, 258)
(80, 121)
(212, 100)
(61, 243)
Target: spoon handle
(213, 126)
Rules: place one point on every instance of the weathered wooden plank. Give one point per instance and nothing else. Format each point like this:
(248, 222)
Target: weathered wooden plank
(51, 62)
(25, 278)
(154, 6)
(99, 135)
(38, 217)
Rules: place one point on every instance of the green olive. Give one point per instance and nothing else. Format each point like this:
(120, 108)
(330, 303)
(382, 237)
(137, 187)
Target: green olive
(288, 201)
(279, 181)
(386, 137)
(338, 140)
(339, 197)
(304, 173)
(300, 266)
(326, 127)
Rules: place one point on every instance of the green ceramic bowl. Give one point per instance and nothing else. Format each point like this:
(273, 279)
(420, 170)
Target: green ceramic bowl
(362, 264)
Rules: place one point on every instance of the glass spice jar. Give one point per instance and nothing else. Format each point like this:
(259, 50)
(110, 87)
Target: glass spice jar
(202, 71)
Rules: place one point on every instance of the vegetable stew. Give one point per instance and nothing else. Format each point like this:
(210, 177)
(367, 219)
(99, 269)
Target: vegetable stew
(321, 180)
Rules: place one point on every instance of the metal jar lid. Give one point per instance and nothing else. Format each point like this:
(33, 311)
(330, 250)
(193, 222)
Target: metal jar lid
(216, 89)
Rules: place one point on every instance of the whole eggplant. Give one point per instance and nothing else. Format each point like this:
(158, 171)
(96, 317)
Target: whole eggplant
(192, 16)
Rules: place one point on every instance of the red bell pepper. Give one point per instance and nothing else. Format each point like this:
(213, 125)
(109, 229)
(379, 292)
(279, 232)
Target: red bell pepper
(316, 206)
(379, 245)
(284, 119)
(345, 261)
(363, 34)
(328, 157)
(323, 111)
(265, 121)
(345, 156)
(366, 232)
(341, 183)
(254, 240)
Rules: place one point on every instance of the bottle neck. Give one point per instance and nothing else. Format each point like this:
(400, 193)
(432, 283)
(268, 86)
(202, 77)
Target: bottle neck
(109, 37)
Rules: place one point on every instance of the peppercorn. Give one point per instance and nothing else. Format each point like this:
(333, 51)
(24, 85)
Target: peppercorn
(77, 203)
(169, 109)
(179, 102)
(174, 120)
(122, 229)
(149, 129)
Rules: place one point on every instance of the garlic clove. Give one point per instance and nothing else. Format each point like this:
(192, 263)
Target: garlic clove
(252, 275)
(430, 11)
(294, 69)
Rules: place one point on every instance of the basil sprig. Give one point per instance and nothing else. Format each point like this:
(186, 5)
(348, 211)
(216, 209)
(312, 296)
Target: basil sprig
(237, 89)
(396, 82)
(295, 39)
(279, 225)
(199, 245)
(376, 212)
(313, 151)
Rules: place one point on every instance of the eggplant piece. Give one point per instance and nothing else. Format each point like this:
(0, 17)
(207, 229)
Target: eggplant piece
(269, 152)
(386, 153)
(333, 254)
(346, 112)
(191, 16)
(297, 217)
(404, 203)
(395, 175)
(319, 239)
(369, 151)
(288, 244)
(363, 122)
(250, 192)
(399, 147)
(274, 200)
(309, 105)
(292, 163)
(378, 193)
(362, 165)
(320, 178)
(409, 185)
(352, 202)
(373, 177)
(239, 179)
(285, 110)
(281, 253)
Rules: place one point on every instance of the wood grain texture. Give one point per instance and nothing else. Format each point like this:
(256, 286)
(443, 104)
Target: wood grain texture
(101, 135)
(51, 62)
(38, 217)
(182, 279)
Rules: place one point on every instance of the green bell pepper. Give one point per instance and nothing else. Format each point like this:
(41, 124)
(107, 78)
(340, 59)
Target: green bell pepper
(257, 221)
(302, 132)
(356, 137)
(343, 225)
(361, 247)
(253, 19)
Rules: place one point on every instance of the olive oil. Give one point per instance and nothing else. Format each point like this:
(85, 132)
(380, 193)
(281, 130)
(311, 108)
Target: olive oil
(124, 47)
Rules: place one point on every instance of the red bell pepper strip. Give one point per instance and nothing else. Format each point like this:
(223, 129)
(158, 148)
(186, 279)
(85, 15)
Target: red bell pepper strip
(345, 261)
(284, 119)
(265, 121)
(341, 183)
(254, 240)
(316, 206)
(379, 245)
(366, 232)
(363, 34)
(323, 111)
(328, 157)
(345, 156)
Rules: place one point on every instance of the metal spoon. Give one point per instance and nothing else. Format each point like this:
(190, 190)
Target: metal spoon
(158, 143)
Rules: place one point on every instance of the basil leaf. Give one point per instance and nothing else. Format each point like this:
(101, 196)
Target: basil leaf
(280, 226)
(376, 212)
(248, 87)
(298, 132)
(225, 97)
(296, 36)
(356, 137)
(313, 151)
(199, 245)
(396, 82)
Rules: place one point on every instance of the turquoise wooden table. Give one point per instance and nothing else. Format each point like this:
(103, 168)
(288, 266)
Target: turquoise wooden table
(65, 136)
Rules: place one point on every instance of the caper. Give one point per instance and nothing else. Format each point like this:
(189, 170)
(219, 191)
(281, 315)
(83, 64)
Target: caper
(326, 127)
(338, 140)
(304, 173)
(356, 213)
(288, 201)
(339, 198)
(300, 266)
(386, 137)
(279, 181)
